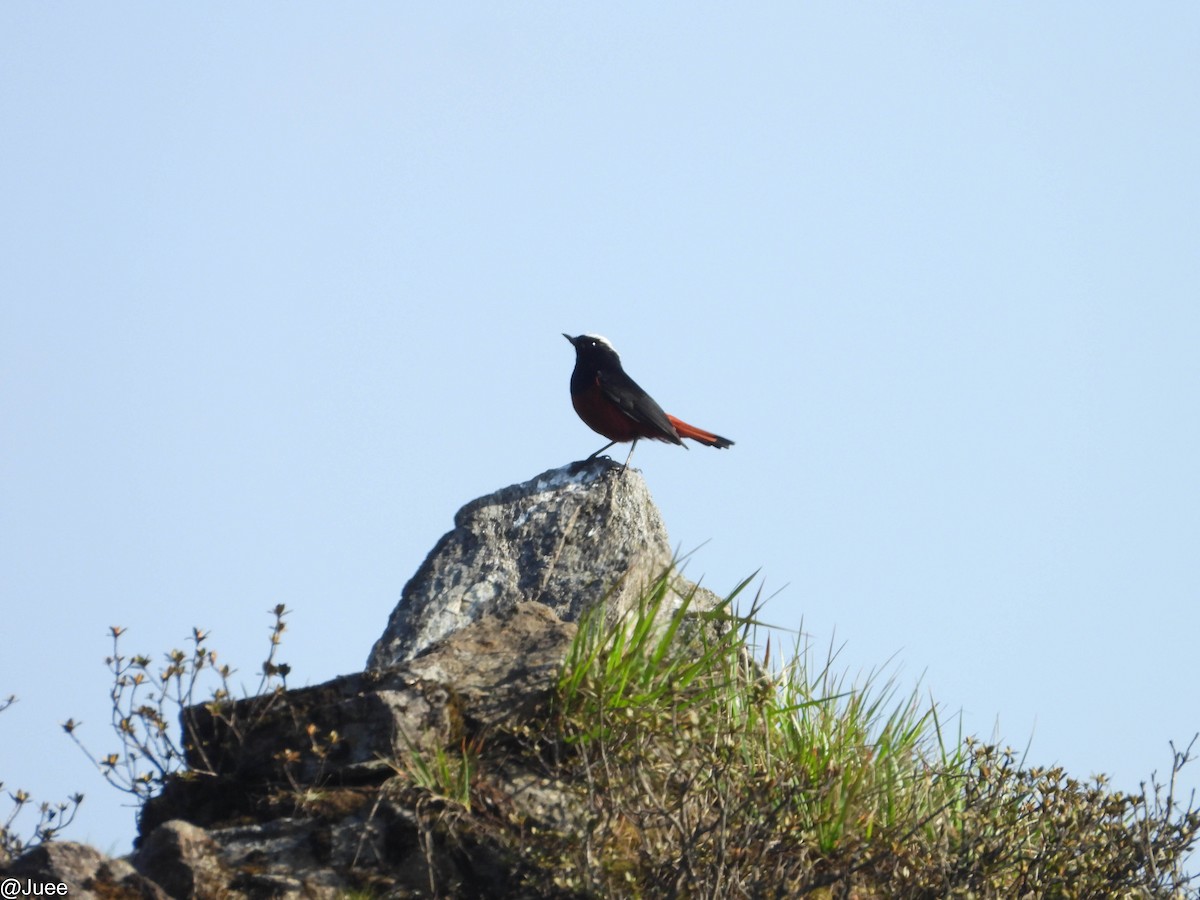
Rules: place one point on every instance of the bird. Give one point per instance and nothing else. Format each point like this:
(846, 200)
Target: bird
(613, 405)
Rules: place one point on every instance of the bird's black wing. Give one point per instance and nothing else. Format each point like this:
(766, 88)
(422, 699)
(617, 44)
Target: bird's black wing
(640, 406)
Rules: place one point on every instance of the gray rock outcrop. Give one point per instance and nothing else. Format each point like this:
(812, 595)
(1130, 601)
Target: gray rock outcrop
(568, 539)
(86, 872)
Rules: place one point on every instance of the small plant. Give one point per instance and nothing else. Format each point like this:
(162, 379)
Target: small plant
(319, 746)
(52, 817)
(442, 773)
(1036, 831)
(147, 698)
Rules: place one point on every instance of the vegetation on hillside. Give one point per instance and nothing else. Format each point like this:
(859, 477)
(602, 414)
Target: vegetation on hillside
(711, 775)
(691, 762)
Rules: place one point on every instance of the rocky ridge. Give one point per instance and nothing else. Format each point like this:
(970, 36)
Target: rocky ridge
(302, 793)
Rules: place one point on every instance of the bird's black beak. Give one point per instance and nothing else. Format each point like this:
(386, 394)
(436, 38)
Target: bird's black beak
(569, 338)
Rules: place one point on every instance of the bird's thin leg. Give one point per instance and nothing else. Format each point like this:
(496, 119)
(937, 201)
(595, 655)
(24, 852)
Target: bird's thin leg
(630, 456)
(602, 449)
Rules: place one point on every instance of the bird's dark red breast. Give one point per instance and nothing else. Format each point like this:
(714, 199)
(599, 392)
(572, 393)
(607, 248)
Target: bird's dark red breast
(621, 415)
(614, 405)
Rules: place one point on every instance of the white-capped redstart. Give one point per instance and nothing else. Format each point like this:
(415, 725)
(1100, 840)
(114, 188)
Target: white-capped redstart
(612, 404)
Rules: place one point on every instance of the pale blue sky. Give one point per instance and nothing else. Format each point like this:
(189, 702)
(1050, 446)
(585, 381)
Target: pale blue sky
(283, 287)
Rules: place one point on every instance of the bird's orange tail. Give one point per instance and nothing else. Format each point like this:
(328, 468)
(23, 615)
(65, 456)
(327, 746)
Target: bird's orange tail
(699, 434)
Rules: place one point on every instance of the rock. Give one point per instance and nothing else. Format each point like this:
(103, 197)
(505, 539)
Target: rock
(51, 863)
(183, 860)
(289, 856)
(568, 539)
(498, 670)
(377, 848)
(502, 667)
(86, 872)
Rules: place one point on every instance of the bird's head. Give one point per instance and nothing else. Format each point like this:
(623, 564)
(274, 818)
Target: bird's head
(591, 345)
